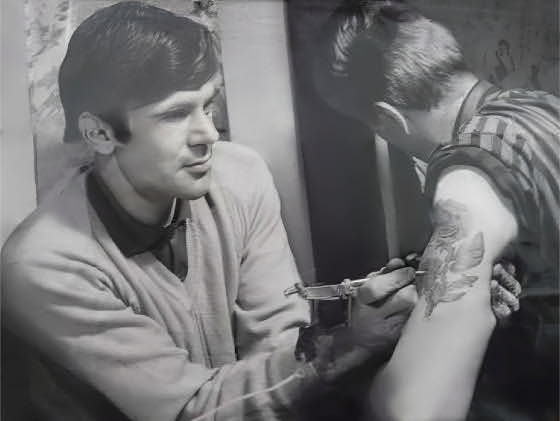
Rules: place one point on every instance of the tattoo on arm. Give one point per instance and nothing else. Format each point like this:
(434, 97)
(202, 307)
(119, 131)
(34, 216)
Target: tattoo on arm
(452, 249)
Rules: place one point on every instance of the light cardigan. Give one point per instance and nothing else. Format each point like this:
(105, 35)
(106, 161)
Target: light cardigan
(157, 347)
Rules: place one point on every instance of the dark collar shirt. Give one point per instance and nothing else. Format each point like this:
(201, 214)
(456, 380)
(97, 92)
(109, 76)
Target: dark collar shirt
(167, 241)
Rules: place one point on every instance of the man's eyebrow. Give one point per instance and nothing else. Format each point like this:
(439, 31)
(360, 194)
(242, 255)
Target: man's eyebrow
(172, 106)
(215, 93)
(182, 100)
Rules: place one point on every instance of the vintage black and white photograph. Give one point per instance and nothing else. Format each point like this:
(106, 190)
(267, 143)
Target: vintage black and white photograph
(277, 210)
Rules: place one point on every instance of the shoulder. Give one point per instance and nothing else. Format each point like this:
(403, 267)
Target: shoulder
(235, 159)
(240, 171)
(521, 119)
(470, 195)
(59, 226)
(526, 97)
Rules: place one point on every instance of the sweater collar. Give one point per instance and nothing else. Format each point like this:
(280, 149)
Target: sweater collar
(130, 235)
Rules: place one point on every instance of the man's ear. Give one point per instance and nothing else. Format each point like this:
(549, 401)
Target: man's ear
(386, 113)
(97, 134)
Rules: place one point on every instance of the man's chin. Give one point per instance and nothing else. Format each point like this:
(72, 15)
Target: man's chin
(196, 189)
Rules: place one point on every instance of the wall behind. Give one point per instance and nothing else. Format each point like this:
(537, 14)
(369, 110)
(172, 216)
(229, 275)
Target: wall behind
(511, 43)
(260, 106)
(17, 197)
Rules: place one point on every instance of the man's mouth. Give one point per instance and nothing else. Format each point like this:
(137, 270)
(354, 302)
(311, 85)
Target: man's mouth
(201, 161)
(201, 165)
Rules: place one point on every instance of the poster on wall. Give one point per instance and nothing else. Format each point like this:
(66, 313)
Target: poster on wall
(511, 43)
(49, 26)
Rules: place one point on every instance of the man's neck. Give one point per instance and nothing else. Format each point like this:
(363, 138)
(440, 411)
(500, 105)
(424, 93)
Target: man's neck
(146, 210)
(435, 127)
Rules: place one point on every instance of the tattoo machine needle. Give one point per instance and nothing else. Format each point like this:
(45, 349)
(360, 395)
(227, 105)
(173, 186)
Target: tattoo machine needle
(343, 290)
(346, 290)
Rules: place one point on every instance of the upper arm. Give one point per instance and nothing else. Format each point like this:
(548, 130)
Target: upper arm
(265, 318)
(484, 208)
(448, 331)
(473, 225)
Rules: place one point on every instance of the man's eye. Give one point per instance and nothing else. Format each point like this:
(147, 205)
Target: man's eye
(178, 114)
(209, 110)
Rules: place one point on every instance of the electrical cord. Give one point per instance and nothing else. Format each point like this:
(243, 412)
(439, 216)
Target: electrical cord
(298, 374)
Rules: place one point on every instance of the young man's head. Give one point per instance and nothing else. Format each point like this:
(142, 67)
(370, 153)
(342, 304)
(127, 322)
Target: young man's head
(383, 59)
(135, 84)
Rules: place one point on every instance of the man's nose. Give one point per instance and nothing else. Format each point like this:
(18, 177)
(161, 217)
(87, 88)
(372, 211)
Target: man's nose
(202, 129)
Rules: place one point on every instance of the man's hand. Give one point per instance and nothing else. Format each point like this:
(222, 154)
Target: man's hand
(384, 304)
(505, 290)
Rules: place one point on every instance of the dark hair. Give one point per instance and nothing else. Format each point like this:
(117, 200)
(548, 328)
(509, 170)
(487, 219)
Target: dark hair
(384, 51)
(128, 55)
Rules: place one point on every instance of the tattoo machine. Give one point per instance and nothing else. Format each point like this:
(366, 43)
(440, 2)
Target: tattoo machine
(345, 291)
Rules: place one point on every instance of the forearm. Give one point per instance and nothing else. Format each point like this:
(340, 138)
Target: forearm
(336, 354)
(264, 386)
(433, 371)
(137, 366)
(130, 358)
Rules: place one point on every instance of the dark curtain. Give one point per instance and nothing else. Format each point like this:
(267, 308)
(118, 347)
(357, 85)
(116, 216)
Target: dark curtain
(346, 212)
(345, 205)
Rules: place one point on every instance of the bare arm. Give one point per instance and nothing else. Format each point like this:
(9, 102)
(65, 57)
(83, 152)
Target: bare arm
(433, 371)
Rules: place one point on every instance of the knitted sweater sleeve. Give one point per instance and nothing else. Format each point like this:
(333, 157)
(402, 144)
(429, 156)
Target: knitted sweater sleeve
(61, 302)
(265, 318)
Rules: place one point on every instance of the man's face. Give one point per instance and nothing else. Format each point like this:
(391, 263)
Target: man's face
(169, 153)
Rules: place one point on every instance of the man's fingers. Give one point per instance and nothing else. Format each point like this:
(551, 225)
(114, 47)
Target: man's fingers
(394, 264)
(381, 286)
(506, 279)
(395, 324)
(401, 302)
(387, 332)
(502, 295)
(501, 311)
(412, 259)
(509, 267)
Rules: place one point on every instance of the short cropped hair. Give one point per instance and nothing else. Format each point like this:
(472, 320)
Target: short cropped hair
(128, 55)
(384, 51)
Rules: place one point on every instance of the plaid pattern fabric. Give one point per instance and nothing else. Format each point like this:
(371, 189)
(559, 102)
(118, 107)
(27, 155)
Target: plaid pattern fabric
(514, 137)
(522, 129)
